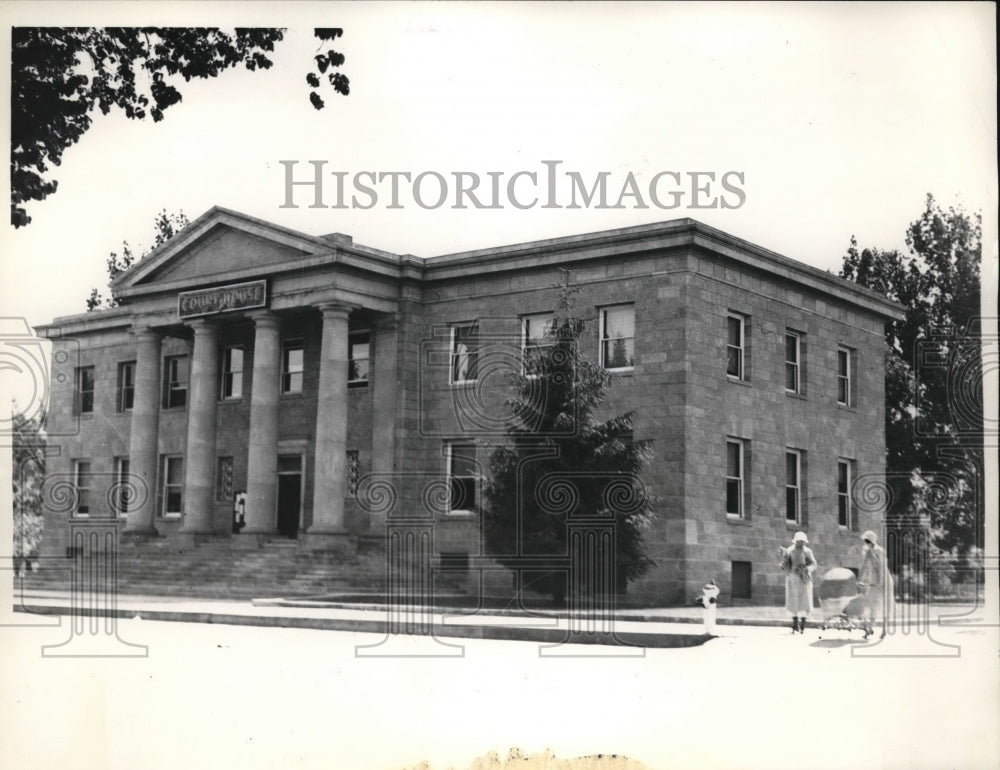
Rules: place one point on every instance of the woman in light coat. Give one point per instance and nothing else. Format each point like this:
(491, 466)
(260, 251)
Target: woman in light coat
(875, 582)
(798, 564)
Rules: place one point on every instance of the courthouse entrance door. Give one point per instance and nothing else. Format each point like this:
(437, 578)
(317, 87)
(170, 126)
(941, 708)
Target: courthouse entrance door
(289, 494)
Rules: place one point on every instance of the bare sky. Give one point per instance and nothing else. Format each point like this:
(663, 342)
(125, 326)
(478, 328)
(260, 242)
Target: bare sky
(840, 117)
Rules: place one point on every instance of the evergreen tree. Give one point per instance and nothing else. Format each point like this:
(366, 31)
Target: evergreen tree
(559, 462)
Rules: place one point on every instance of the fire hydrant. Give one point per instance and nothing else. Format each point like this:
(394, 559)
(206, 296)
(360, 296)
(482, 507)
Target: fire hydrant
(710, 601)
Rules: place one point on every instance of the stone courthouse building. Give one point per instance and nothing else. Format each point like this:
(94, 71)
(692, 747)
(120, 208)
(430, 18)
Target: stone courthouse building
(259, 382)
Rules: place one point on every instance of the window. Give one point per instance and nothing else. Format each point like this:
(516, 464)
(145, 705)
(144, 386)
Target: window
(85, 390)
(463, 481)
(735, 476)
(292, 366)
(464, 352)
(845, 377)
(175, 381)
(353, 472)
(81, 481)
(793, 357)
(735, 343)
(358, 353)
(537, 336)
(124, 488)
(173, 485)
(845, 503)
(618, 337)
(232, 372)
(742, 579)
(126, 386)
(224, 480)
(793, 485)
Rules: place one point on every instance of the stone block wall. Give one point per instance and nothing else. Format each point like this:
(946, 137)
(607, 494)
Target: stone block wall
(769, 420)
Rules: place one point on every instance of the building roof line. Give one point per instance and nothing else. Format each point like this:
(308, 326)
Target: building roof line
(544, 253)
(198, 227)
(685, 231)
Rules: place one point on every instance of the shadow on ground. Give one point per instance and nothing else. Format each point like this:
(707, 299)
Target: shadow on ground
(835, 643)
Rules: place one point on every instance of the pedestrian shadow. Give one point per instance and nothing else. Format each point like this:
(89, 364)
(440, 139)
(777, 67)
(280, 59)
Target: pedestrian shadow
(835, 643)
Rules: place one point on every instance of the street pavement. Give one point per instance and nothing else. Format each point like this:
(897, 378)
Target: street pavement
(210, 695)
(664, 627)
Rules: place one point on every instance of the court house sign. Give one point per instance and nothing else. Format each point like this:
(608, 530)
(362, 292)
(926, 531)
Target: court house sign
(238, 296)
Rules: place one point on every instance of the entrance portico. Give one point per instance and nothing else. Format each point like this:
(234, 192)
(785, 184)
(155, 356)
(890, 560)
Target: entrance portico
(207, 413)
(229, 282)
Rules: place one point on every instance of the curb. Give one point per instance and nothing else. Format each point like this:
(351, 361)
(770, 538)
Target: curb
(625, 615)
(554, 636)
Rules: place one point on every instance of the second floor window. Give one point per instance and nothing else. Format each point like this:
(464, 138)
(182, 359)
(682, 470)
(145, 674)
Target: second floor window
(845, 377)
(175, 382)
(292, 366)
(464, 352)
(536, 338)
(85, 390)
(793, 369)
(618, 337)
(126, 386)
(735, 342)
(358, 353)
(232, 372)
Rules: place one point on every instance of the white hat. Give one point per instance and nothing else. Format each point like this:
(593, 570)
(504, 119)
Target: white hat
(800, 537)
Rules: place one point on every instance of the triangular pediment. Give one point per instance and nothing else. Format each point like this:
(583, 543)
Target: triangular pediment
(220, 245)
(223, 252)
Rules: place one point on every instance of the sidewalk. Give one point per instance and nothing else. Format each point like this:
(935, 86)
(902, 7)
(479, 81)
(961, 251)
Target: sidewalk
(650, 627)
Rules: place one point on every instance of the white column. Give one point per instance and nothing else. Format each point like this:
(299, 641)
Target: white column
(143, 439)
(199, 459)
(331, 424)
(384, 393)
(262, 453)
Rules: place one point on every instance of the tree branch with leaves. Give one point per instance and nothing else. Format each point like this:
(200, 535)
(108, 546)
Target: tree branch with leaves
(165, 227)
(60, 76)
(933, 413)
(29, 475)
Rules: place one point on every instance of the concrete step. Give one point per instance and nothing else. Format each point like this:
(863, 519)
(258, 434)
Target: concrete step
(230, 567)
(215, 557)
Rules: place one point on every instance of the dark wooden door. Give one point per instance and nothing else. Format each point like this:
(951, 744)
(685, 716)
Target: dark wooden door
(289, 503)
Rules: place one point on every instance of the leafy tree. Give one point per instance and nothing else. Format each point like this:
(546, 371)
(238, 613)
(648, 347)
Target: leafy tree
(933, 386)
(29, 474)
(61, 75)
(165, 226)
(555, 440)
